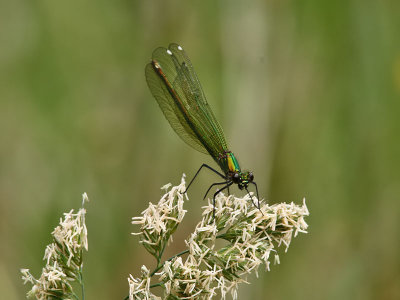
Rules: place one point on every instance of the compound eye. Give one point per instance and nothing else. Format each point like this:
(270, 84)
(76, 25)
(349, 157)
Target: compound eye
(236, 178)
(251, 176)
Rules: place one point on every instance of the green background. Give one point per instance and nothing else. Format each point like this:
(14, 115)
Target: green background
(308, 93)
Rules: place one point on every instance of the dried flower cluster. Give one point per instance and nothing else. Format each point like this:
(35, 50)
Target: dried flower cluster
(159, 221)
(139, 288)
(207, 271)
(63, 259)
(250, 235)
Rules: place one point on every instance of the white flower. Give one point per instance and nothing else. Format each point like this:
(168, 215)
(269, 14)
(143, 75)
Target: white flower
(159, 221)
(63, 258)
(251, 234)
(139, 288)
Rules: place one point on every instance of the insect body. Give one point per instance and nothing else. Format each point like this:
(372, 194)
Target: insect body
(174, 84)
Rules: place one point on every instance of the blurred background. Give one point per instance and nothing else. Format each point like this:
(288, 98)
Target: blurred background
(308, 93)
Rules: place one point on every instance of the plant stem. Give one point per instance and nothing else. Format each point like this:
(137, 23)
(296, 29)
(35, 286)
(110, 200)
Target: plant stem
(75, 296)
(169, 259)
(82, 284)
(160, 255)
(156, 284)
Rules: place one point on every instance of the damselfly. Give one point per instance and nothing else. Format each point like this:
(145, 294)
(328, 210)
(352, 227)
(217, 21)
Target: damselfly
(174, 84)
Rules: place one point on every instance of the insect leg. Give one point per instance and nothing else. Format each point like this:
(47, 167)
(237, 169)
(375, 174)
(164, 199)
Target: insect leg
(207, 166)
(258, 197)
(217, 192)
(258, 201)
(217, 183)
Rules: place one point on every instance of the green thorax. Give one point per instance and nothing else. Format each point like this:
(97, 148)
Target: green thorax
(228, 162)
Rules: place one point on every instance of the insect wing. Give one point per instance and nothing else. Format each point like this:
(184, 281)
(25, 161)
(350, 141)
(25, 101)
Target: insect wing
(173, 82)
(163, 92)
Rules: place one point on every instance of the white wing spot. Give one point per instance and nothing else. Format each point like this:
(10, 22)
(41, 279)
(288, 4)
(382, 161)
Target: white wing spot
(169, 52)
(180, 48)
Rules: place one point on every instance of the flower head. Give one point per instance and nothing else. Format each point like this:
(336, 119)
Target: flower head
(63, 259)
(159, 221)
(251, 234)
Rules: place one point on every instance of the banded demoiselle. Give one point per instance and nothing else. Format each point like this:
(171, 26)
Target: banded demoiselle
(174, 84)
